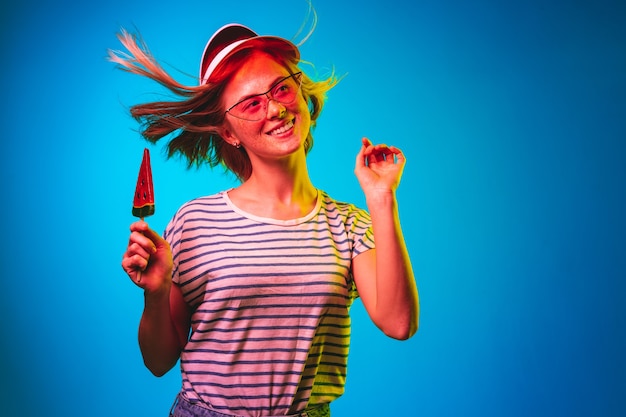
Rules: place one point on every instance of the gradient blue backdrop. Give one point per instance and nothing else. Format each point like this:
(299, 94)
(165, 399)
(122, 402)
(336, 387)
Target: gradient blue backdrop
(513, 119)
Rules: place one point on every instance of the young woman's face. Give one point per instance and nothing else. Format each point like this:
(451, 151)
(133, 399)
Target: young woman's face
(282, 128)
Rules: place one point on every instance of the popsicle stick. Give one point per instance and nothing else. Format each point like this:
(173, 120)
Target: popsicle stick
(139, 271)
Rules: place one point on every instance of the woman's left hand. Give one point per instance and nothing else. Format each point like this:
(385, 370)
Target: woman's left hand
(379, 167)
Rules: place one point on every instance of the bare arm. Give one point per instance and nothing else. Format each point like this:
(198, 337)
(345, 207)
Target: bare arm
(384, 276)
(165, 321)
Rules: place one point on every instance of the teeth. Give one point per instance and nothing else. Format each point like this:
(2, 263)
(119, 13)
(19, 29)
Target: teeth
(282, 129)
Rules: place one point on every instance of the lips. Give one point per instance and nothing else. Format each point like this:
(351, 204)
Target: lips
(282, 129)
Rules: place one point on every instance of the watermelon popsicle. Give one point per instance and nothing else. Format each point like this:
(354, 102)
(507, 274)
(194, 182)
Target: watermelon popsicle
(143, 203)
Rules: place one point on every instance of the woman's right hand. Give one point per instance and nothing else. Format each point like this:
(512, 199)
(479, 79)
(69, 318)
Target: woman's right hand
(148, 258)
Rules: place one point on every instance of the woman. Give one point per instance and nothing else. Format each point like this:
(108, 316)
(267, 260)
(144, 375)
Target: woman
(250, 288)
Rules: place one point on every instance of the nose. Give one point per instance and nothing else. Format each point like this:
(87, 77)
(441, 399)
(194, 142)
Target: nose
(275, 109)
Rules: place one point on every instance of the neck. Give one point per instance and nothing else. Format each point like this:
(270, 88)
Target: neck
(279, 186)
(279, 190)
(286, 181)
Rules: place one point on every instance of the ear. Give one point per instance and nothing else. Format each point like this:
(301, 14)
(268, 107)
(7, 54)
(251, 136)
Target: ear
(227, 135)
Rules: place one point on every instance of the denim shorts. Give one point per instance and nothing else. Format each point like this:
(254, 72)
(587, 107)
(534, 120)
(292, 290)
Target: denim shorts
(183, 408)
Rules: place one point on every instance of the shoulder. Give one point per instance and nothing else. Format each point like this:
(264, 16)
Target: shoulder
(202, 209)
(345, 212)
(338, 206)
(201, 206)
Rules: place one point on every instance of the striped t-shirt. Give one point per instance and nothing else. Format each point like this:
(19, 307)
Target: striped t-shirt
(270, 327)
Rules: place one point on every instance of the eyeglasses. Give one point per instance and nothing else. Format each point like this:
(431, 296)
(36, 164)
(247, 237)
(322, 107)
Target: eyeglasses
(254, 108)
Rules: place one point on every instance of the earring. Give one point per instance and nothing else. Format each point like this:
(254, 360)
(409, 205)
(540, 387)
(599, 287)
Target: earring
(237, 145)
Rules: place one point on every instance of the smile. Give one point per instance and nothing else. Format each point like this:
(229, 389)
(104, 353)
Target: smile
(284, 128)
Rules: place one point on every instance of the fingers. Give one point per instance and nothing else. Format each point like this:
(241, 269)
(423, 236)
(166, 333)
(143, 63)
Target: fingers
(400, 159)
(134, 264)
(360, 157)
(142, 244)
(370, 154)
(144, 231)
(142, 238)
(137, 254)
(148, 258)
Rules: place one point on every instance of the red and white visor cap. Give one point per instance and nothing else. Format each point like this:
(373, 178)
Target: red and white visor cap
(224, 42)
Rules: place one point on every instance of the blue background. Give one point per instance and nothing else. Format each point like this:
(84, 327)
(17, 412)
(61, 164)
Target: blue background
(513, 119)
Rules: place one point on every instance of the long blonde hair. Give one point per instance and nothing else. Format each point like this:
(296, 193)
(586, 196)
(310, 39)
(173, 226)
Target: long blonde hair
(193, 121)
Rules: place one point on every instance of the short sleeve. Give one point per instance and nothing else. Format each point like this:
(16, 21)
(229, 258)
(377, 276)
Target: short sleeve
(361, 231)
(173, 236)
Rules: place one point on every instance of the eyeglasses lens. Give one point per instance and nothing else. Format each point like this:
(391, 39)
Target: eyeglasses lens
(255, 108)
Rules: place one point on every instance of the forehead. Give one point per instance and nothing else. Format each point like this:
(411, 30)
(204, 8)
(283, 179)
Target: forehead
(256, 75)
